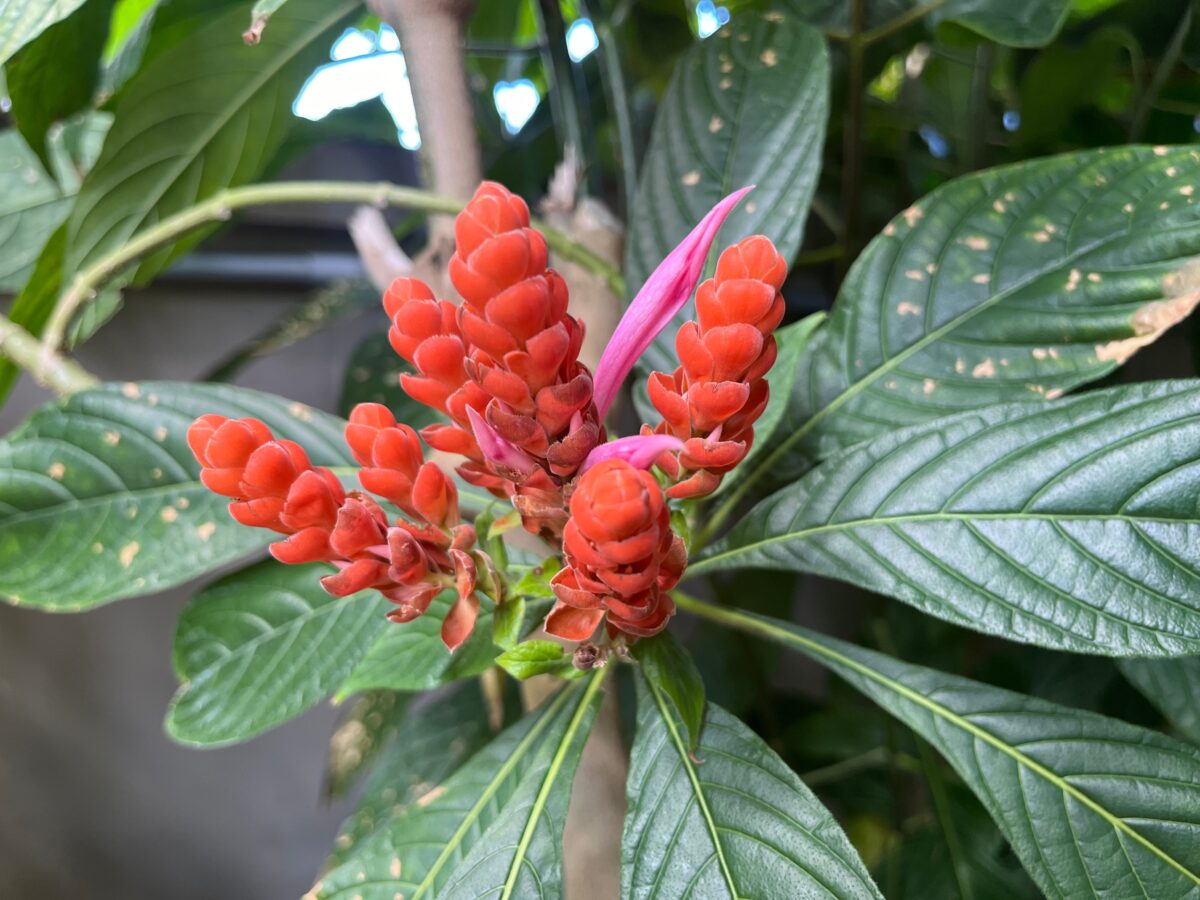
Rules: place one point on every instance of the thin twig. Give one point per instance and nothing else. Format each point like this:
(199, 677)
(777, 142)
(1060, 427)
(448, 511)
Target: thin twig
(47, 368)
(220, 207)
(1166, 66)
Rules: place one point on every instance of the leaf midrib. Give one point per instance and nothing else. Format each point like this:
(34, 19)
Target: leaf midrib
(556, 764)
(502, 773)
(767, 628)
(697, 789)
(706, 563)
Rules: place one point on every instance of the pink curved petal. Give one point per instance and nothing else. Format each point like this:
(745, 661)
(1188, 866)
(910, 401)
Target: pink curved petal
(639, 450)
(663, 294)
(496, 449)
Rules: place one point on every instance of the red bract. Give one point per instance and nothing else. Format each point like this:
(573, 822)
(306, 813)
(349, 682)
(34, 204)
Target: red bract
(713, 398)
(621, 556)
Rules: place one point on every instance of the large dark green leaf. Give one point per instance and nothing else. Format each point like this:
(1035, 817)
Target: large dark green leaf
(1173, 686)
(23, 20)
(747, 106)
(412, 657)
(205, 114)
(429, 745)
(1018, 283)
(1092, 806)
(494, 828)
(1072, 524)
(260, 647)
(738, 823)
(1017, 23)
(100, 496)
(364, 727)
(670, 671)
(55, 76)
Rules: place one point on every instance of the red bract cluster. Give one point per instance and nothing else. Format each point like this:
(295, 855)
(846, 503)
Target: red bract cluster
(713, 398)
(527, 416)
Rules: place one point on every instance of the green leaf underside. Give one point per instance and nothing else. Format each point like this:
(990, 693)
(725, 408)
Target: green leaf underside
(204, 115)
(494, 828)
(31, 206)
(737, 824)
(430, 745)
(1016, 23)
(1084, 800)
(412, 657)
(261, 646)
(747, 106)
(1019, 283)
(1072, 524)
(23, 20)
(100, 496)
(1173, 686)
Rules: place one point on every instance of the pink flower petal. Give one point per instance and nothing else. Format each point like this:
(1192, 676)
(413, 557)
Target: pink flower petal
(663, 294)
(639, 450)
(496, 449)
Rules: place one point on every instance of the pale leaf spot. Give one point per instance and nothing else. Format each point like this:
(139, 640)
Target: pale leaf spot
(1040, 236)
(931, 268)
(1010, 196)
(1160, 151)
(928, 386)
(912, 215)
(183, 502)
(97, 548)
(751, 206)
(914, 275)
(1172, 171)
(904, 308)
(1128, 207)
(977, 242)
(1187, 190)
(692, 178)
(715, 124)
(725, 84)
(1054, 393)
(131, 390)
(428, 797)
(1094, 277)
(160, 433)
(152, 400)
(769, 58)
(1073, 279)
(999, 206)
(343, 841)
(982, 278)
(1040, 353)
(112, 438)
(986, 369)
(169, 514)
(205, 530)
(889, 229)
(394, 868)
(128, 552)
(57, 471)
(1164, 205)
(156, 473)
(960, 365)
(774, 17)
(890, 385)
(300, 411)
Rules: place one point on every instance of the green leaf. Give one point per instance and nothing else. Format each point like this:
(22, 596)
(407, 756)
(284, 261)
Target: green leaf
(373, 376)
(1019, 283)
(366, 724)
(738, 824)
(429, 746)
(739, 111)
(1173, 686)
(1015, 23)
(100, 496)
(1084, 800)
(203, 115)
(1071, 524)
(535, 657)
(69, 49)
(775, 423)
(32, 207)
(260, 647)
(494, 828)
(669, 669)
(508, 622)
(412, 657)
(23, 20)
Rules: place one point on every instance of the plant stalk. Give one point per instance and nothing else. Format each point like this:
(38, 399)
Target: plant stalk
(48, 369)
(220, 207)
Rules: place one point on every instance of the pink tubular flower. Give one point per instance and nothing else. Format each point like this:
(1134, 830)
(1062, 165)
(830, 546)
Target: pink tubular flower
(663, 295)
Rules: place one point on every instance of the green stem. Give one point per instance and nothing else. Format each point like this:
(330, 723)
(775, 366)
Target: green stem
(612, 71)
(220, 207)
(865, 761)
(45, 365)
(1166, 66)
(563, 100)
(852, 168)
